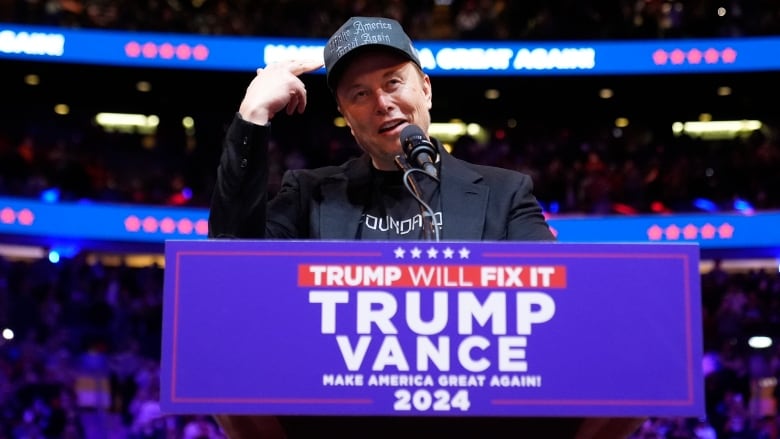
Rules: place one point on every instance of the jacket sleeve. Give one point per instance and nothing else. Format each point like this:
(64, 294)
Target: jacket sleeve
(238, 203)
(526, 221)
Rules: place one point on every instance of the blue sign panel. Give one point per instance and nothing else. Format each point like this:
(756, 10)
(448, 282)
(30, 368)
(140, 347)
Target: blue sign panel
(95, 221)
(431, 329)
(155, 224)
(169, 50)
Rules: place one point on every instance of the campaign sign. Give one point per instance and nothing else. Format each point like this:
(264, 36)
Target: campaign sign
(430, 328)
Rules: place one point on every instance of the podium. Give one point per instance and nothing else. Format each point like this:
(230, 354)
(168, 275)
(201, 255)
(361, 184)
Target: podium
(431, 337)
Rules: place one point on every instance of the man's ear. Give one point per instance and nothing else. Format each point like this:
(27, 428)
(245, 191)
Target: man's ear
(346, 120)
(428, 91)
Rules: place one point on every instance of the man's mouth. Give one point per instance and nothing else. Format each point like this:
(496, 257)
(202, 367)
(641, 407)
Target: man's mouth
(391, 126)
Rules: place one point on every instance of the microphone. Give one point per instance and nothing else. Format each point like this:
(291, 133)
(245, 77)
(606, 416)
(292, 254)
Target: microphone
(419, 151)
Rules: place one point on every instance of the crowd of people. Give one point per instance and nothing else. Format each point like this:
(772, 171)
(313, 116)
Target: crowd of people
(84, 361)
(429, 19)
(575, 172)
(83, 358)
(602, 170)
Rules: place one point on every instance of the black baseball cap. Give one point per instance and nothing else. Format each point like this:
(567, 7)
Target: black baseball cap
(359, 33)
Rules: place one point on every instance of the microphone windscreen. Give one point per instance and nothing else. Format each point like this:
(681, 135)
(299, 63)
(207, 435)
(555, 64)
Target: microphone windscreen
(410, 131)
(414, 142)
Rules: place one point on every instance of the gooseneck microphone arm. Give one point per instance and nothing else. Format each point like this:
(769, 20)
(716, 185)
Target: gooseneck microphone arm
(429, 217)
(419, 156)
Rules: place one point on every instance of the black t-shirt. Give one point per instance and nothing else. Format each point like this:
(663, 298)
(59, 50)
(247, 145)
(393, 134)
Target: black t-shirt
(392, 213)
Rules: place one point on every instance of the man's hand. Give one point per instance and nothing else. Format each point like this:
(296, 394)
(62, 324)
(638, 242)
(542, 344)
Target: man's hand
(276, 87)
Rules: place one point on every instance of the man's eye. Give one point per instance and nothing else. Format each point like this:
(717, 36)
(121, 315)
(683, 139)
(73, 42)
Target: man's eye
(393, 84)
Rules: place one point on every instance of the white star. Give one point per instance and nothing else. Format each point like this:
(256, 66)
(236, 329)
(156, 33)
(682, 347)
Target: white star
(432, 252)
(464, 253)
(399, 253)
(416, 253)
(448, 253)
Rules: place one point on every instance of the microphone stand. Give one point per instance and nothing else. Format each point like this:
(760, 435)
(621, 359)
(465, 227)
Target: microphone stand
(428, 216)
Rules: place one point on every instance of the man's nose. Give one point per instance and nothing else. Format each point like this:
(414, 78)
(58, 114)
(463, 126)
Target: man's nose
(384, 102)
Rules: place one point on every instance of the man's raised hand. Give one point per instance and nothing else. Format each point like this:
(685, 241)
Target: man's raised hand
(277, 87)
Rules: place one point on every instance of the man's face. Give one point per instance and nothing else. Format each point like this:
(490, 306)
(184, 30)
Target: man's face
(379, 94)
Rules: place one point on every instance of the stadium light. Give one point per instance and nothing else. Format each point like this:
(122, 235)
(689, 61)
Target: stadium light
(126, 122)
(716, 129)
(743, 206)
(51, 195)
(450, 131)
(705, 205)
(760, 342)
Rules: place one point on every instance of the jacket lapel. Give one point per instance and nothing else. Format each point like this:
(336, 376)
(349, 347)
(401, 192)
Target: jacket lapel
(343, 197)
(463, 201)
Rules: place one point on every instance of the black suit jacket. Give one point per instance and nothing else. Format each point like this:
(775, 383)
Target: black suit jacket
(478, 203)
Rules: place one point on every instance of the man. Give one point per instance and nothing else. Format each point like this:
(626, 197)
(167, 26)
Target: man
(379, 87)
(375, 76)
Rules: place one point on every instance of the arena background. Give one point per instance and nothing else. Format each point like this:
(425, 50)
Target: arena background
(80, 350)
